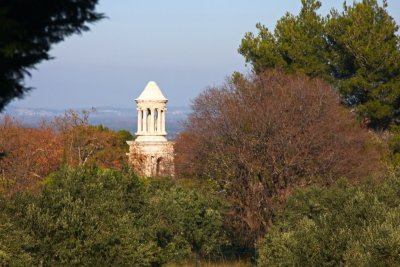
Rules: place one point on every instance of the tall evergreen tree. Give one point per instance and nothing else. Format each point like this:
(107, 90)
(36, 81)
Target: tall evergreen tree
(357, 50)
(365, 60)
(297, 44)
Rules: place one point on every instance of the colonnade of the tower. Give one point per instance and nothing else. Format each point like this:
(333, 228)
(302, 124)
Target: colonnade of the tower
(151, 120)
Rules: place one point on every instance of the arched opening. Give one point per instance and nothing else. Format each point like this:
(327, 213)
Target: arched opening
(159, 167)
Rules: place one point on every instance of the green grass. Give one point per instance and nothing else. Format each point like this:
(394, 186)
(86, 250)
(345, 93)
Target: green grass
(241, 263)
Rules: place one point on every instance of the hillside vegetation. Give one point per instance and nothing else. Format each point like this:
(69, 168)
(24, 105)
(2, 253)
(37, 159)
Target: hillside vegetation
(294, 164)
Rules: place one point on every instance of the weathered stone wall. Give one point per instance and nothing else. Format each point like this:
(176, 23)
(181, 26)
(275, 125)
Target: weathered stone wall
(152, 158)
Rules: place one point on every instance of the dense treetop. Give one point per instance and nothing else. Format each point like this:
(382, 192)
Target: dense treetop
(357, 50)
(341, 226)
(101, 217)
(260, 137)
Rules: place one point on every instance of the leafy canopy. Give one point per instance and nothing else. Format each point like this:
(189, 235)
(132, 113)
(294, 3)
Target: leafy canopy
(261, 136)
(101, 217)
(357, 50)
(340, 226)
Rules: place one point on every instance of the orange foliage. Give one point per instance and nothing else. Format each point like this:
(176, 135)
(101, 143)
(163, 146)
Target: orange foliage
(28, 155)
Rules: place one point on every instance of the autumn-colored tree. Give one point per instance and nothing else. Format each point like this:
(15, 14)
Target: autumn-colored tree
(85, 144)
(259, 137)
(29, 154)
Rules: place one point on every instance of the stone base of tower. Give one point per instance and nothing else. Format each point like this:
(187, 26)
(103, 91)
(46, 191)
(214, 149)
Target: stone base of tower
(152, 157)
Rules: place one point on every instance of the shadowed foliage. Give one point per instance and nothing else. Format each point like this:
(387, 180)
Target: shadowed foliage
(28, 30)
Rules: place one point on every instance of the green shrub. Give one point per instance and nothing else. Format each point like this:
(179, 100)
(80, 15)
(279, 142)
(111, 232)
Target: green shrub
(191, 216)
(340, 226)
(100, 217)
(13, 241)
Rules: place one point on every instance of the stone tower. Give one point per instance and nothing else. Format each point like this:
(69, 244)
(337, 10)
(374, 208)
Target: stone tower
(151, 154)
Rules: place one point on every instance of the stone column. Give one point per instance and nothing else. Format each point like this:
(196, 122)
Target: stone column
(159, 120)
(145, 120)
(163, 121)
(139, 120)
(151, 120)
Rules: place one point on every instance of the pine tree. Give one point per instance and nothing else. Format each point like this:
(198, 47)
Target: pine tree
(365, 60)
(356, 50)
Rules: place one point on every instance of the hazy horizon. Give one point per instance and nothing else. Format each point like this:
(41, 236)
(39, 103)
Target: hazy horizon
(183, 46)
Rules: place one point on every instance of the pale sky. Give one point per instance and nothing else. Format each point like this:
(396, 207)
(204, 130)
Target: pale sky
(184, 46)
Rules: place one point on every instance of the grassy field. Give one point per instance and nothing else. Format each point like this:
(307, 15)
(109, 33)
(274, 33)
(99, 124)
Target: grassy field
(210, 264)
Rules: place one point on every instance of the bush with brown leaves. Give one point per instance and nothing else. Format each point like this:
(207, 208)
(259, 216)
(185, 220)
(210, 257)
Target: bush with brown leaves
(261, 136)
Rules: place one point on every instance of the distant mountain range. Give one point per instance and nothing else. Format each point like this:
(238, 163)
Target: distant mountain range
(114, 118)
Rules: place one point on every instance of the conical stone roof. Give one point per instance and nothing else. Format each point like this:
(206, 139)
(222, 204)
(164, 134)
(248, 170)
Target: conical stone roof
(151, 93)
